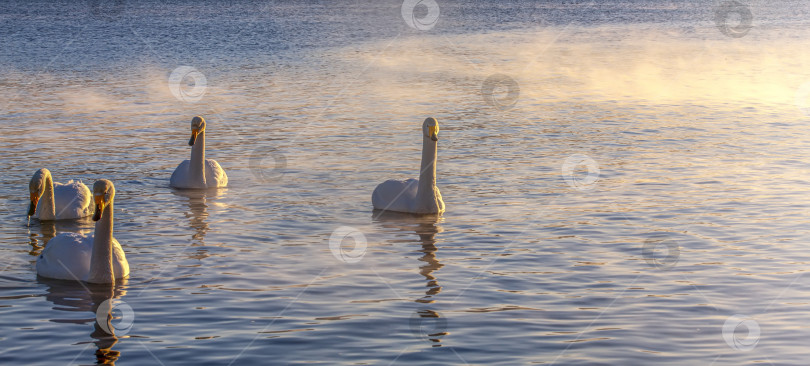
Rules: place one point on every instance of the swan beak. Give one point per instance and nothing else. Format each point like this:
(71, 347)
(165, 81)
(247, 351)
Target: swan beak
(99, 207)
(194, 133)
(32, 208)
(434, 135)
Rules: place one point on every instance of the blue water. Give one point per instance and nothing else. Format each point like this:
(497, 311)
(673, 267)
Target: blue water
(636, 194)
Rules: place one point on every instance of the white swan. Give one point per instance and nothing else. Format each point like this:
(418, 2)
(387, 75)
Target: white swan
(97, 258)
(56, 201)
(198, 172)
(420, 196)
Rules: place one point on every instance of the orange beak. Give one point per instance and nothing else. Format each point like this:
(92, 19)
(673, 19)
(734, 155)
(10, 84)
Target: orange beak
(32, 208)
(99, 207)
(433, 132)
(194, 133)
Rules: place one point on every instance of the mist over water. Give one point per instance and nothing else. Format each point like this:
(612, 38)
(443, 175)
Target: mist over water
(622, 180)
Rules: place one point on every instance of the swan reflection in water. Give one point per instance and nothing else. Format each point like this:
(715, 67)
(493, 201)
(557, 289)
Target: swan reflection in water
(197, 213)
(425, 322)
(111, 317)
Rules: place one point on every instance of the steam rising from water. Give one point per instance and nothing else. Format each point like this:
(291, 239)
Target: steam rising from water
(631, 63)
(411, 75)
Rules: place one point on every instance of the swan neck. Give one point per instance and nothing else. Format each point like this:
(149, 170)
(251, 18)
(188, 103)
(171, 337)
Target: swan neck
(197, 167)
(101, 261)
(427, 172)
(47, 202)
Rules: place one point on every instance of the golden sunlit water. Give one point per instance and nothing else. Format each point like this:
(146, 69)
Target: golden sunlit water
(626, 183)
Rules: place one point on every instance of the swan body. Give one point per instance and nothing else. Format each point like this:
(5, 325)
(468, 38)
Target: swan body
(214, 176)
(198, 172)
(98, 258)
(75, 251)
(57, 201)
(419, 196)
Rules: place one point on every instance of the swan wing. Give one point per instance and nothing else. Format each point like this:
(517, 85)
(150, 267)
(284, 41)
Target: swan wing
(72, 200)
(180, 177)
(214, 174)
(120, 264)
(395, 195)
(439, 200)
(66, 257)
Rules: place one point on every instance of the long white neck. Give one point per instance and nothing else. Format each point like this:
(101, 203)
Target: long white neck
(197, 164)
(426, 194)
(101, 260)
(47, 206)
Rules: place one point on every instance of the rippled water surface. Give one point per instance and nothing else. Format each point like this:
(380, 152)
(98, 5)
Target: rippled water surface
(645, 199)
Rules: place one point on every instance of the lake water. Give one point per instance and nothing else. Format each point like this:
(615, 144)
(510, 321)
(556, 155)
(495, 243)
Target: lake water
(626, 182)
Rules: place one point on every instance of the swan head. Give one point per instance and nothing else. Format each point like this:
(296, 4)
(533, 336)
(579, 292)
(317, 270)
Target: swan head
(36, 188)
(430, 128)
(103, 193)
(197, 127)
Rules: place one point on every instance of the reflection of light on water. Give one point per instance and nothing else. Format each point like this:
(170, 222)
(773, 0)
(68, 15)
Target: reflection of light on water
(197, 214)
(425, 323)
(734, 173)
